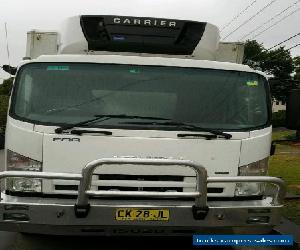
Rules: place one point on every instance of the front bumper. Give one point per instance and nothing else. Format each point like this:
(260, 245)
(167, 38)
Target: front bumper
(57, 216)
(86, 216)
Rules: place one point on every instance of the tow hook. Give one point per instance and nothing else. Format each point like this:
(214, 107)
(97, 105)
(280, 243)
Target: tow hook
(200, 213)
(82, 211)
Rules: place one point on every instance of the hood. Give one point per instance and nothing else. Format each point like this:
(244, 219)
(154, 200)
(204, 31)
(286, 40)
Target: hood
(69, 154)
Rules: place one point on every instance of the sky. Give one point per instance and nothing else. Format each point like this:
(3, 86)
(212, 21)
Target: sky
(24, 15)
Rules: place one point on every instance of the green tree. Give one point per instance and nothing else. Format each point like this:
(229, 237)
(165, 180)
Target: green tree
(6, 86)
(281, 87)
(3, 110)
(254, 54)
(297, 68)
(5, 89)
(277, 63)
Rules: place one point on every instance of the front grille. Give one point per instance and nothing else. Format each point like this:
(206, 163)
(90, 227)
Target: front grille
(119, 188)
(150, 183)
(215, 190)
(152, 189)
(135, 179)
(140, 177)
(66, 187)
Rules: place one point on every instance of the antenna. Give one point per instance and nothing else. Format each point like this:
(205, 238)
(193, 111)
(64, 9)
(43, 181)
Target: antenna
(7, 68)
(7, 47)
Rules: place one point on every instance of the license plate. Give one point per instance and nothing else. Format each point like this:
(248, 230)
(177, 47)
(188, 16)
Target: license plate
(132, 214)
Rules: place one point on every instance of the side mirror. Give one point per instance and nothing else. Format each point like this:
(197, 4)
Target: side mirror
(2, 141)
(9, 69)
(293, 110)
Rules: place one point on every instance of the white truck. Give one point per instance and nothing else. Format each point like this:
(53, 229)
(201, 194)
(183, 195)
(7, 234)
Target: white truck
(131, 126)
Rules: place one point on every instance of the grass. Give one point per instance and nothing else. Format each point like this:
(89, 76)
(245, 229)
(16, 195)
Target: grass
(283, 135)
(287, 167)
(286, 164)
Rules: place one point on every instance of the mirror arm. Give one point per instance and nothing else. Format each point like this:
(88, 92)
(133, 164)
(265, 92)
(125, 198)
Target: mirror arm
(9, 69)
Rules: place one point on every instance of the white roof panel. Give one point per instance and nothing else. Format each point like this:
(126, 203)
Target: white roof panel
(144, 60)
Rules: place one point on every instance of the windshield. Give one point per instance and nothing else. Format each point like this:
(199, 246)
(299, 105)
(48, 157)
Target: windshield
(68, 93)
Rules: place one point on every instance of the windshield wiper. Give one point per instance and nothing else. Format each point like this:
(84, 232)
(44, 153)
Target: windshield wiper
(82, 131)
(206, 136)
(186, 126)
(106, 117)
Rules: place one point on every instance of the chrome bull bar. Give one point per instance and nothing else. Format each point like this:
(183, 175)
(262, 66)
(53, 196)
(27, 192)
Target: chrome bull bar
(200, 208)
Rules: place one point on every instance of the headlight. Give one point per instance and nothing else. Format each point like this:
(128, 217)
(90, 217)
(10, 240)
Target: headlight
(17, 162)
(259, 168)
(24, 185)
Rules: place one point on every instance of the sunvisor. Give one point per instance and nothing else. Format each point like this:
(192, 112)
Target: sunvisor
(141, 34)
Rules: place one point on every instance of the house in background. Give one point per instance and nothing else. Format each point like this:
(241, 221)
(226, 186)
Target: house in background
(278, 106)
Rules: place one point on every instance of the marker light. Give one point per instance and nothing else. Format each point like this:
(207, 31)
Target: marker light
(17, 162)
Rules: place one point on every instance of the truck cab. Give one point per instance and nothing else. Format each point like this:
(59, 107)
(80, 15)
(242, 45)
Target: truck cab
(133, 127)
